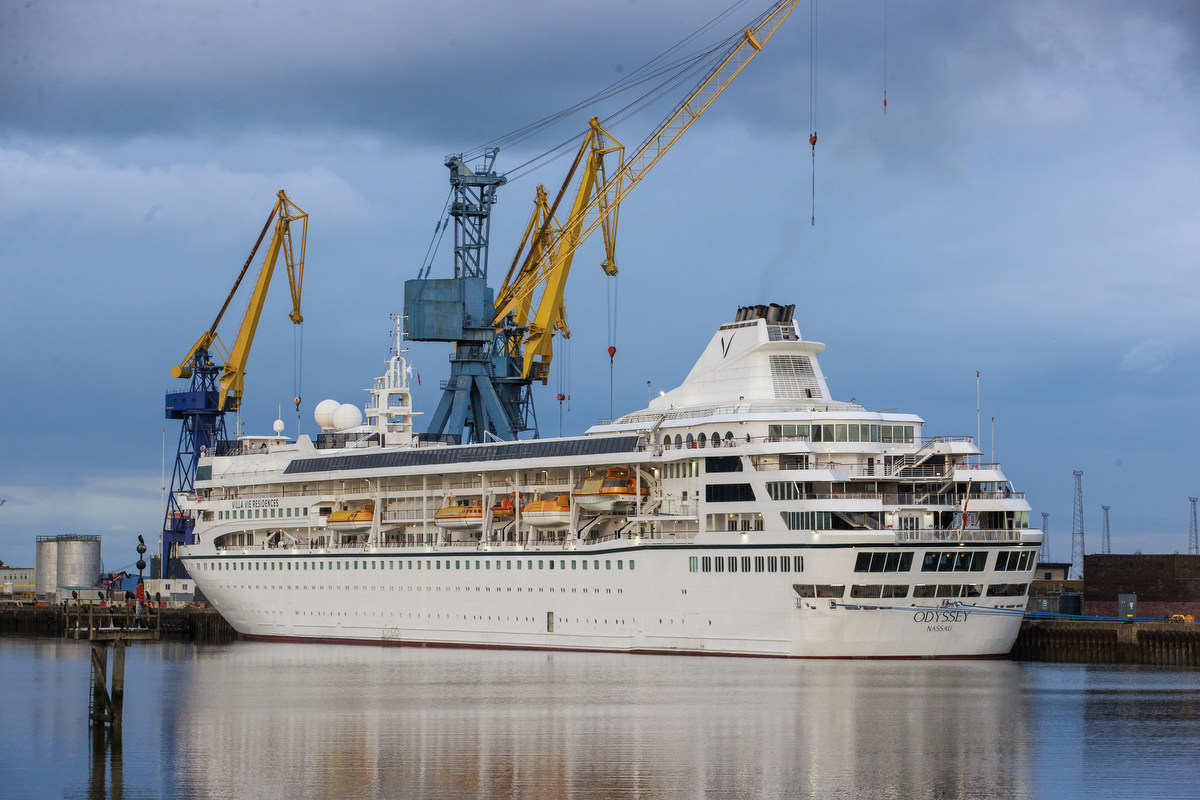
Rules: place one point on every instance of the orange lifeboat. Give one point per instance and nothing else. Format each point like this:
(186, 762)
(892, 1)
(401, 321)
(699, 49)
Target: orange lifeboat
(467, 515)
(351, 520)
(608, 490)
(551, 513)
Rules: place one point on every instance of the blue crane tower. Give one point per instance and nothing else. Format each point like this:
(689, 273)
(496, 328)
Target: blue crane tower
(203, 431)
(485, 397)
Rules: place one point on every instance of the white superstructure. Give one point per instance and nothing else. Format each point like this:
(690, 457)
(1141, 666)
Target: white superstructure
(750, 514)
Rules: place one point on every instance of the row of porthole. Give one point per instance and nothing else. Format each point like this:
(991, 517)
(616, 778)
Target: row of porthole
(426, 588)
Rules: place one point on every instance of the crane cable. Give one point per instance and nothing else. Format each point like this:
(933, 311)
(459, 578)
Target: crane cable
(610, 296)
(885, 57)
(812, 94)
(651, 69)
(297, 368)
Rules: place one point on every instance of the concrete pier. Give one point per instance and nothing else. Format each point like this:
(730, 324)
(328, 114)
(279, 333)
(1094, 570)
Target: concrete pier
(1089, 641)
(203, 625)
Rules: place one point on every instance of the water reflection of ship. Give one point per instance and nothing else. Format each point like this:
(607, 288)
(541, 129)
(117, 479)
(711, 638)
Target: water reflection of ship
(744, 729)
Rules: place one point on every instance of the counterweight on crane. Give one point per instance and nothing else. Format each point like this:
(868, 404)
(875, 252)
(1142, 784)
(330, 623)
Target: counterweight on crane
(217, 389)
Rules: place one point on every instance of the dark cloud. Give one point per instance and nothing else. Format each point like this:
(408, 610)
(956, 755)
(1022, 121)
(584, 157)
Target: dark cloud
(1026, 206)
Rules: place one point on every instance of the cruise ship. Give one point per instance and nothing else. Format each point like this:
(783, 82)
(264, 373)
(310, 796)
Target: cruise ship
(745, 513)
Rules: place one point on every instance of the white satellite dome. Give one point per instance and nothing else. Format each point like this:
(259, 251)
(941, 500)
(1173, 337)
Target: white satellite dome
(278, 426)
(346, 416)
(323, 414)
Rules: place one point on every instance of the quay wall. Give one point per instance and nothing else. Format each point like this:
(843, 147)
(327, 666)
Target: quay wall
(202, 625)
(1091, 641)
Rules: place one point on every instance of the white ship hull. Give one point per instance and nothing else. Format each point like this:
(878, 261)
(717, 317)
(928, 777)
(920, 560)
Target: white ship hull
(658, 605)
(802, 528)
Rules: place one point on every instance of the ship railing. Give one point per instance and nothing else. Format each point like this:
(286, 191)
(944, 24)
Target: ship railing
(957, 535)
(923, 499)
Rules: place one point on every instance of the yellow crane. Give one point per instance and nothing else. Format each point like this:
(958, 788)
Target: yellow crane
(547, 261)
(233, 373)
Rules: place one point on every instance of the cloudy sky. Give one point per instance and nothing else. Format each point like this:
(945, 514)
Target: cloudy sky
(1028, 207)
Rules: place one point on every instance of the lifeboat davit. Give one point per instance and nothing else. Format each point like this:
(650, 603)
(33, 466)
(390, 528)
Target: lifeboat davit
(467, 515)
(608, 489)
(550, 513)
(349, 520)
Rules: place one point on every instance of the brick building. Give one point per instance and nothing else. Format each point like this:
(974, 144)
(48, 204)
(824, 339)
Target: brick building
(1165, 585)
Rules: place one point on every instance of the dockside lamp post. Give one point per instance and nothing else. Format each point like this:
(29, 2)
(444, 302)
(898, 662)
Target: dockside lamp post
(141, 565)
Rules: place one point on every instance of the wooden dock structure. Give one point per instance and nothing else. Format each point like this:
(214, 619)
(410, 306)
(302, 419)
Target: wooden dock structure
(110, 627)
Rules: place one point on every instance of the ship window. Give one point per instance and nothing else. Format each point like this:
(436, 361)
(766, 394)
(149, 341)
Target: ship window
(831, 590)
(287, 511)
(978, 561)
(716, 439)
(706, 564)
(924, 590)
(552, 563)
(457, 564)
(1007, 589)
(678, 440)
(702, 441)
(723, 464)
(841, 432)
(692, 563)
(853, 431)
(866, 590)
(607, 564)
(895, 590)
(585, 563)
(690, 441)
(541, 565)
(562, 564)
(729, 436)
(785, 564)
(772, 564)
(733, 563)
(572, 563)
(508, 564)
(720, 565)
(518, 563)
(596, 563)
(745, 563)
(529, 563)
(728, 493)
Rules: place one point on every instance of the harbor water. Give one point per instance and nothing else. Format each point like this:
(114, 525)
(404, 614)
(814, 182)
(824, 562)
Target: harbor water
(261, 720)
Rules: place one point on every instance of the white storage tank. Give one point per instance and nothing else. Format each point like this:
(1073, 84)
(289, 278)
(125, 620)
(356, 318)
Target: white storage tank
(78, 560)
(47, 566)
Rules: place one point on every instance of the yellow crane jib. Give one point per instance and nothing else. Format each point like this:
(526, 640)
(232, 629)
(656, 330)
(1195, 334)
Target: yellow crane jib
(547, 263)
(233, 373)
(598, 200)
